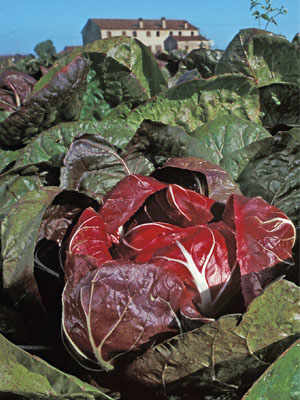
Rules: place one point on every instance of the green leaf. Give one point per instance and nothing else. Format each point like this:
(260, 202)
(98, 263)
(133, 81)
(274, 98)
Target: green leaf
(94, 167)
(205, 60)
(272, 316)
(274, 65)
(196, 102)
(7, 157)
(239, 159)
(281, 380)
(211, 353)
(219, 138)
(225, 352)
(263, 56)
(280, 105)
(94, 107)
(126, 70)
(19, 233)
(56, 97)
(13, 187)
(158, 142)
(32, 378)
(274, 173)
(51, 145)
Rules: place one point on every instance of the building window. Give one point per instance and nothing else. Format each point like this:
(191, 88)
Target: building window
(192, 33)
(157, 33)
(148, 33)
(124, 33)
(186, 47)
(134, 34)
(171, 33)
(179, 33)
(108, 34)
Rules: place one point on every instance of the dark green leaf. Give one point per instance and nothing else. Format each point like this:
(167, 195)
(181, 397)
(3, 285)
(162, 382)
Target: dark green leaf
(281, 380)
(272, 316)
(265, 57)
(32, 378)
(126, 70)
(51, 145)
(211, 353)
(56, 97)
(218, 138)
(94, 167)
(225, 352)
(158, 142)
(274, 173)
(13, 187)
(280, 105)
(94, 107)
(193, 103)
(205, 60)
(19, 233)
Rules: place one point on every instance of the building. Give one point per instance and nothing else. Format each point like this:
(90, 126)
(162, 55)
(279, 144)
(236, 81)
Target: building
(152, 32)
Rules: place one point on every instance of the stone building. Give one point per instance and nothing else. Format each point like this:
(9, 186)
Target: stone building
(152, 32)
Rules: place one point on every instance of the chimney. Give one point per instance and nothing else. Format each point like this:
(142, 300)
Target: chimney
(163, 22)
(185, 25)
(141, 23)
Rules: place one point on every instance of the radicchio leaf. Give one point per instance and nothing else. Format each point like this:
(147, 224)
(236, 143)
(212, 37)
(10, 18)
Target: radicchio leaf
(265, 236)
(89, 238)
(177, 205)
(143, 240)
(200, 259)
(219, 184)
(117, 308)
(125, 199)
(18, 84)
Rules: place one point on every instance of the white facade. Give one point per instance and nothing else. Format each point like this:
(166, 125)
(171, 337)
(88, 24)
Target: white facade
(152, 33)
(154, 39)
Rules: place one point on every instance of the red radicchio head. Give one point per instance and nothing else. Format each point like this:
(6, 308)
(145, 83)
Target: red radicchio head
(155, 251)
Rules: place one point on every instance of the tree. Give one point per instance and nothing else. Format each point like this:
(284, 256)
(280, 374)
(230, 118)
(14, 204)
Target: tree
(266, 12)
(46, 52)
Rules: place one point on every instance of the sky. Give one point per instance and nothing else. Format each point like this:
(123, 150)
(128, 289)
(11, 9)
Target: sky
(24, 23)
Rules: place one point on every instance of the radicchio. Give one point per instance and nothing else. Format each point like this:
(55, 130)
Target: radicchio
(155, 253)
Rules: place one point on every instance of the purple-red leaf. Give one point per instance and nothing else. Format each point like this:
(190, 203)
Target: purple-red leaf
(200, 259)
(117, 308)
(125, 199)
(18, 83)
(265, 236)
(177, 205)
(219, 184)
(143, 240)
(89, 238)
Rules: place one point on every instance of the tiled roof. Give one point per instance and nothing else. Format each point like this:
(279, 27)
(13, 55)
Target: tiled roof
(177, 24)
(189, 38)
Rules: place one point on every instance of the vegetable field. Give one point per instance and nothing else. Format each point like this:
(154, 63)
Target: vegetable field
(150, 220)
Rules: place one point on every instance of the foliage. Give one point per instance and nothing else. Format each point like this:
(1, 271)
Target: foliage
(46, 52)
(267, 13)
(164, 197)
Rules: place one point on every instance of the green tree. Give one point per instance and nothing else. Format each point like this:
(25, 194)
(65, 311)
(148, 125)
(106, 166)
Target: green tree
(264, 11)
(46, 52)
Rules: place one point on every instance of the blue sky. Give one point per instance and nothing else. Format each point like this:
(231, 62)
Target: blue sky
(24, 23)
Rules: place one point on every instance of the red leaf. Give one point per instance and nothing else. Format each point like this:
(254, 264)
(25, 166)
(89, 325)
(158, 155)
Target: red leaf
(117, 308)
(143, 240)
(200, 260)
(89, 238)
(265, 236)
(219, 183)
(125, 199)
(177, 205)
(192, 206)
